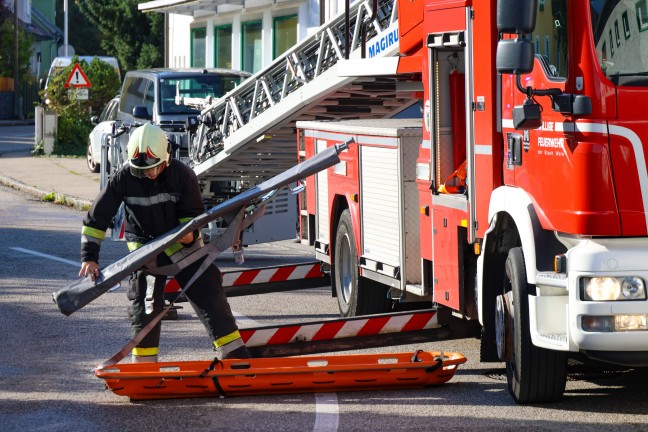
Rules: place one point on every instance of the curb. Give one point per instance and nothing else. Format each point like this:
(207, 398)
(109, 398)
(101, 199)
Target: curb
(77, 203)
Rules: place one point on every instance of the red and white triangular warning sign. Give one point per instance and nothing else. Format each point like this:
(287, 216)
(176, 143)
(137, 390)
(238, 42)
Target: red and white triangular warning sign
(77, 78)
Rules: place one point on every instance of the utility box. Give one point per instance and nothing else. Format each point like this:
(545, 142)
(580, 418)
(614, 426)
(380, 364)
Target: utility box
(45, 122)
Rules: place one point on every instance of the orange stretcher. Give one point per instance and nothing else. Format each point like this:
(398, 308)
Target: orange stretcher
(169, 380)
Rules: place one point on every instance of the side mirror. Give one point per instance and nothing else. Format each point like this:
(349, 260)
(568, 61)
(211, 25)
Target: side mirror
(94, 120)
(516, 16)
(514, 56)
(572, 104)
(141, 112)
(527, 116)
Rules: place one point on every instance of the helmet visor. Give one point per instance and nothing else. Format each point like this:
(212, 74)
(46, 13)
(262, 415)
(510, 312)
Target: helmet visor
(138, 172)
(144, 160)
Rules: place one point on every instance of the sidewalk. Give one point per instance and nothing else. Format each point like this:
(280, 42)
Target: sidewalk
(64, 180)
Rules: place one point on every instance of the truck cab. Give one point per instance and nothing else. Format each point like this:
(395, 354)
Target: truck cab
(531, 184)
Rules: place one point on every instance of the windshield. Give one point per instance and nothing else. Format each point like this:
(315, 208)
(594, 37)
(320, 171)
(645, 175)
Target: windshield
(621, 39)
(193, 87)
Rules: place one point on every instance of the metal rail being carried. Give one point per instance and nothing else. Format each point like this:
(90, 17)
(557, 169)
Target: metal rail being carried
(249, 134)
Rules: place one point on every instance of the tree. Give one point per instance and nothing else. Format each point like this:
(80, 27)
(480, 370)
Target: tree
(7, 46)
(135, 38)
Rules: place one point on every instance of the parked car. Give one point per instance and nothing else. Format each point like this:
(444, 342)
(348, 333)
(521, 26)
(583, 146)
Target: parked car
(151, 94)
(102, 129)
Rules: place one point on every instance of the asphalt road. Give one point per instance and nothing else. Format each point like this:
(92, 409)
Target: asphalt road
(47, 359)
(16, 138)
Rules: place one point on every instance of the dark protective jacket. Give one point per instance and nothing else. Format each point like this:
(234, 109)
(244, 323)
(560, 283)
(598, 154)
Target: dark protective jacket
(152, 207)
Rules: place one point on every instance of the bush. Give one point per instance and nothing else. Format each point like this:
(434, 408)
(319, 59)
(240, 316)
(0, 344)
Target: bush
(74, 124)
(72, 131)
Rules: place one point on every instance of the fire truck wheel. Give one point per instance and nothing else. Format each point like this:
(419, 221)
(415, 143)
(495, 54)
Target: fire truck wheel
(533, 374)
(355, 296)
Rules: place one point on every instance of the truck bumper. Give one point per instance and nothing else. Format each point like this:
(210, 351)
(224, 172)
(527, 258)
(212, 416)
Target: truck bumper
(599, 328)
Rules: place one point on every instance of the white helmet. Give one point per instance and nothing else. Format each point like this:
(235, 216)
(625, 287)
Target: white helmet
(148, 147)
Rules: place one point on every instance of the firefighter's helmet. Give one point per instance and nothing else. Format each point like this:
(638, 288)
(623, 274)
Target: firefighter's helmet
(148, 147)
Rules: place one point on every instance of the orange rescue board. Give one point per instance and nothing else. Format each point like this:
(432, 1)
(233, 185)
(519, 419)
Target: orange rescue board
(172, 380)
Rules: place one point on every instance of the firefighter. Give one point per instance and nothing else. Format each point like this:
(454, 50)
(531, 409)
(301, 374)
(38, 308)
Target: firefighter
(159, 193)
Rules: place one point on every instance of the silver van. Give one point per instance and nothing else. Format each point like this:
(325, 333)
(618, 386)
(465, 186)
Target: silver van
(155, 90)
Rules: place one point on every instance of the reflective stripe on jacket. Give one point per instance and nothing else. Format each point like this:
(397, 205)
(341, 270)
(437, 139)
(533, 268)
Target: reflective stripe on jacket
(152, 207)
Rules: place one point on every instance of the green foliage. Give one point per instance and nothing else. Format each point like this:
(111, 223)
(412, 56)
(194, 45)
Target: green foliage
(72, 131)
(39, 149)
(74, 124)
(105, 85)
(7, 50)
(149, 57)
(135, 38)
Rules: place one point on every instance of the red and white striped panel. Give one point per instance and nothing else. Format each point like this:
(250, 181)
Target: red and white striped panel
(338, 329)
(263, 275)
(272, 274)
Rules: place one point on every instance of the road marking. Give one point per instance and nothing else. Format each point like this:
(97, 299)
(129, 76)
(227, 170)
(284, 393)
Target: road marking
(52, 257)
(327, 417)
(326, 404)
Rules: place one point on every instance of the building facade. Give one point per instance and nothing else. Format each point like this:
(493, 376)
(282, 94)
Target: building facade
(237, 34)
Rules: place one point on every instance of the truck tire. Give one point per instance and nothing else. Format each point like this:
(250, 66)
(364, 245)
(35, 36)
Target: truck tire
(355, 295)
(533, 374)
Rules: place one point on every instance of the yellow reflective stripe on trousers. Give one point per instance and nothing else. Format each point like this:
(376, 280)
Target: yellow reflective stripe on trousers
(145, 352)
(93, 232)
(227, 339)
(133, 245)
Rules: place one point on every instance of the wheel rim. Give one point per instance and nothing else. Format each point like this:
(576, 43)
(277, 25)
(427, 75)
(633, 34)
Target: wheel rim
(91, 163)
(346, 277)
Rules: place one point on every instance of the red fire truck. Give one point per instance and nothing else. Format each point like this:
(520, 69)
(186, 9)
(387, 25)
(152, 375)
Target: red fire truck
(541, 235)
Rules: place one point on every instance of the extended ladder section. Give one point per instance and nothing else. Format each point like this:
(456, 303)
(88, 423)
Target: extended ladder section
(249, 133)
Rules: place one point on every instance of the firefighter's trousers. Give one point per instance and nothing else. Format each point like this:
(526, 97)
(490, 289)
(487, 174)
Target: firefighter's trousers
(206, 295)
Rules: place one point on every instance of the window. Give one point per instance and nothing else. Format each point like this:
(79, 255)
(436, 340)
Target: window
(149, 97)
(550, 37)
(284, 34)
(641, 10)
(251, 46)
(198, 41)
(223, 46)
(133, 94)
(626, 24)
(619, 44)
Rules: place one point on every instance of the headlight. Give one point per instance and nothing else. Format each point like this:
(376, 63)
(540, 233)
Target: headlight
(633, 288)
(608, 288)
